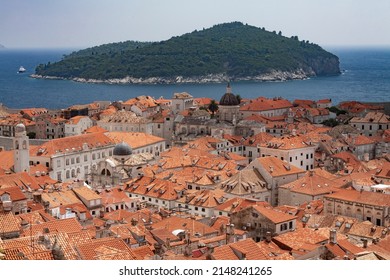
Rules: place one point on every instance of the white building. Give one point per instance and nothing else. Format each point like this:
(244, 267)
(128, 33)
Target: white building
(292, 149)
(77, 125)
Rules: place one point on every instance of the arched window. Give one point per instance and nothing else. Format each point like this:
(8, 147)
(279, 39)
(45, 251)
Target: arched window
(24, 146)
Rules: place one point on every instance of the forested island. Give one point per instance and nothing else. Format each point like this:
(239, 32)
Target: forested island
(230, 51)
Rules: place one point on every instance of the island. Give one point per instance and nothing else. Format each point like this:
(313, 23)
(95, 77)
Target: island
(230, 51)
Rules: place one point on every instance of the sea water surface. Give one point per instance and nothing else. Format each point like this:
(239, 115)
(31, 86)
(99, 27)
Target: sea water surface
(365, 77)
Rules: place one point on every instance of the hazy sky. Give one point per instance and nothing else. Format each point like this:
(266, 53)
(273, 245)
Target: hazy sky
(85, 23)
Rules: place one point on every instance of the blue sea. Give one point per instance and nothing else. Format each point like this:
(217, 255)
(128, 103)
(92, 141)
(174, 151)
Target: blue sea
(365, 77)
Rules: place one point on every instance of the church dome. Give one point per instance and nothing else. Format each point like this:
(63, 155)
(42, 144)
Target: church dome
(229, 99)
(122, 149)
(20, 128)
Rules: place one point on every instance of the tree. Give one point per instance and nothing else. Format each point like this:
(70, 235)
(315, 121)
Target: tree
(238, 98)
(31, 135)
(213, 107)
(330, 123)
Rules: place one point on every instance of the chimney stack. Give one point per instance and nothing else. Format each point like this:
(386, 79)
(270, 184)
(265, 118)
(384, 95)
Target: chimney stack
(268, 236)
(333, 236)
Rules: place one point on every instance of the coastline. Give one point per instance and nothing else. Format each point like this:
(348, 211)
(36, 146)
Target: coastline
(273, 76)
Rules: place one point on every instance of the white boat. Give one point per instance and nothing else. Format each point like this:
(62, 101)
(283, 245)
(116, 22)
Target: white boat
(21, 69)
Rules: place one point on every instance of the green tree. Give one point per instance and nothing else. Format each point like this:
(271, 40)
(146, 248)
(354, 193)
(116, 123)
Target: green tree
(239, 98)
(213, 107)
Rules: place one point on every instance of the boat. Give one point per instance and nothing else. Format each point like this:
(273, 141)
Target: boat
(21, 69)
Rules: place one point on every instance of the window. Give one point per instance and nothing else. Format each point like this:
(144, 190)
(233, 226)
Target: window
(67, 161)
(290, 225)
(283, 227)
(58, 163)
(85, 158)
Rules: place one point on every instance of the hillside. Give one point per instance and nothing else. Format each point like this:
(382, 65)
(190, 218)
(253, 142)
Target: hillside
(226, 51)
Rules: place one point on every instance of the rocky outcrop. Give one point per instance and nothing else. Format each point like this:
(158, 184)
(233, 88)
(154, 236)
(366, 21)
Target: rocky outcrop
(299, 74)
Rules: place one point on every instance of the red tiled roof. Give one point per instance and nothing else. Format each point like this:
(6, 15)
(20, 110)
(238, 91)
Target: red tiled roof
(370, 198)
(265, 104)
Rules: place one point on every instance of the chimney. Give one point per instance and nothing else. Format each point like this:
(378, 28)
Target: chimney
(268, 236)
(365, 242)
(168, 243)
(333, 236)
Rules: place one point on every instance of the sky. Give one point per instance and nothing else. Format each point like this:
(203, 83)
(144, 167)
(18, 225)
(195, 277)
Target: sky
(87, 23)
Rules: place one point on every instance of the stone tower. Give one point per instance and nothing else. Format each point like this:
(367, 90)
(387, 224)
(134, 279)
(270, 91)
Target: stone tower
(21, 149)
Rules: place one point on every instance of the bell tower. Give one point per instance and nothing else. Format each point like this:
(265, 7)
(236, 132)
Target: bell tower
(21, 149)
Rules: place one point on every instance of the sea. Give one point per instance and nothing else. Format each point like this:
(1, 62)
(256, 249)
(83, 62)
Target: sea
(365, 77)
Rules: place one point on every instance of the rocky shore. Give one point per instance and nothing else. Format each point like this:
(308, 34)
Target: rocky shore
(299, 74)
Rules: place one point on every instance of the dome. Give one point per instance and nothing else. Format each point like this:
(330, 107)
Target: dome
(229, 99)
(122, 149)
(20, 128)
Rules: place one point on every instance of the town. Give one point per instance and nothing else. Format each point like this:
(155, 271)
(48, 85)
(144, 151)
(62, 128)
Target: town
(196, 179)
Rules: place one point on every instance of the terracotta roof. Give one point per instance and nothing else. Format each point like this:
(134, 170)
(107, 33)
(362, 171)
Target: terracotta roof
(385, 243)
(21, 179)
(370, 198)
(372, 117)
(276, 167)
(143, 252)
(135, 140)
(15, 193)
(173, 223)
(105, 249)
(72, 143)
(224, 252)
(157, 188)
(273, 252)
(9, 223)
(265, 104)
(6, 159)
(76, 119)
(273, 215)
(86, 193)
(258, 139)
(203, 198)
(299, 239)
(311, 184)
(65, 225)
(113, 196)
(95, 129)
(249, 248)
(246, 182)
(287, 143)
(59, 198)
(235, 204)
(303, 102)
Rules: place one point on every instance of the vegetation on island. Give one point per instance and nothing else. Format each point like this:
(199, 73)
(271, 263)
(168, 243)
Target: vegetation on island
(234, 49)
